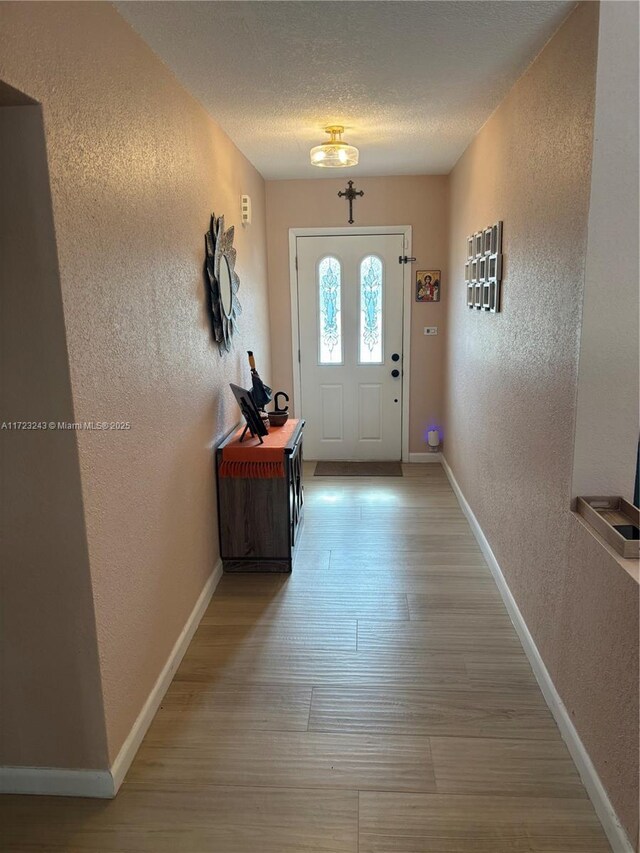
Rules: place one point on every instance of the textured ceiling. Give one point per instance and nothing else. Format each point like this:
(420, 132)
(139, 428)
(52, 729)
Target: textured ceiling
(412, 82)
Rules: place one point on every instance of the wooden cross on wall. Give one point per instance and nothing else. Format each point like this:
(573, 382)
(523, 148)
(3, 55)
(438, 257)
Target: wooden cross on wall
(350, 194)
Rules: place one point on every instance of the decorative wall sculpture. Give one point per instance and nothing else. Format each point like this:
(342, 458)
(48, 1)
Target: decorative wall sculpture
(223, 282)
(483, 269)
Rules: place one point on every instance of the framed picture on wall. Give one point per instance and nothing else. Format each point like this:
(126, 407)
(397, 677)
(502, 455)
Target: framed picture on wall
(483, 269)
(486, 295)
(488, 240)
(471, 290)
(494, 297)
(496, 238)
(428, 284)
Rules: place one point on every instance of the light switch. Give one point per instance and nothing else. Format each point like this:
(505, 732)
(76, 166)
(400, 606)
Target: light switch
(431, 330)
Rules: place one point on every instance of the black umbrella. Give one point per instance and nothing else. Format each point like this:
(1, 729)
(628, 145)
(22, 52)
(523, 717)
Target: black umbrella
(260, 392)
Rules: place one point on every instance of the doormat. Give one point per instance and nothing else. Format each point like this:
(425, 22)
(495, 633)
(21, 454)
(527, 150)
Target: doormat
(358, 469)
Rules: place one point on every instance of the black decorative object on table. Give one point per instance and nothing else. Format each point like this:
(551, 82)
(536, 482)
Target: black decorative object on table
(280, 408)
(280, 415)
(260, 392)
(222, 282)
(350, 194)
(250, 413)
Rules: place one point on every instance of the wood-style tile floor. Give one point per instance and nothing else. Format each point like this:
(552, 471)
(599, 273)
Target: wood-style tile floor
(375, 701)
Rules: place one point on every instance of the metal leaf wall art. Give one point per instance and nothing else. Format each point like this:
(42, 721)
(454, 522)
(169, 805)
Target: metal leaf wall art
(222, 281)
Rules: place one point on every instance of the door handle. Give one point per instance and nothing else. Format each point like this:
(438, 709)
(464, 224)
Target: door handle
(395, 357)
(395, 373)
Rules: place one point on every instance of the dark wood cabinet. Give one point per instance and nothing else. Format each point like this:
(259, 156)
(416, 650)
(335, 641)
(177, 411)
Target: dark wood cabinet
(260, 517)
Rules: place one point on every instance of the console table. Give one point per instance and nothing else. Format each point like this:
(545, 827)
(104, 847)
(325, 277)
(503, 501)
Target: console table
(260, 499)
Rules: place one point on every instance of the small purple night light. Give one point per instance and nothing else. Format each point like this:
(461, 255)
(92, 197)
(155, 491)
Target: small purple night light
(433, 437)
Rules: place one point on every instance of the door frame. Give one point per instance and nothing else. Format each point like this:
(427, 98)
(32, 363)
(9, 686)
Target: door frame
(359, 230)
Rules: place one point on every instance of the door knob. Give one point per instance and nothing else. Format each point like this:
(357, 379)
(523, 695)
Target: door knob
(395, 357)
(395, 373)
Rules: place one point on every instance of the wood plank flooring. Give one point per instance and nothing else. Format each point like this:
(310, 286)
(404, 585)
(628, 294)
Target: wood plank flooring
(375, 701)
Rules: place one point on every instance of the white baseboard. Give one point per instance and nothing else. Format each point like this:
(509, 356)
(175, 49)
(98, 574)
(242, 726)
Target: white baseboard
(425, 457)
(105, 783)
(595, 789)
(56, 781)
(131, 745)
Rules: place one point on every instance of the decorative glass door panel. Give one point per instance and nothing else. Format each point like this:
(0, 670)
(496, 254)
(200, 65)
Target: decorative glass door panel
(330, 311)
(371, 311)
(350, 303)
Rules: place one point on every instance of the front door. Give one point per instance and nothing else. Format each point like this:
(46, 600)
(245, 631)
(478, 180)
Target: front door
(350, 306)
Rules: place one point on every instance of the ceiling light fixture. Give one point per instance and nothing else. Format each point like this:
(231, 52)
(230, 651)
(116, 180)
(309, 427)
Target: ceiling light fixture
(335, 153)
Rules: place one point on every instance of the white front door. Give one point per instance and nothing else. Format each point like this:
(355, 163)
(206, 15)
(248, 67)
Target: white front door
(350, 307)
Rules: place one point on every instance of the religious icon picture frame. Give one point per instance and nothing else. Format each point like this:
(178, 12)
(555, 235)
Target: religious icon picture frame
(428, 285)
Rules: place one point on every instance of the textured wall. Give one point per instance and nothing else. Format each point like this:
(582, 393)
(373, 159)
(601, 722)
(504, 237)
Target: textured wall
(595, 664)
(608, 373)
(511, 394)
(49, 673)
(136, 167)
(420, 201)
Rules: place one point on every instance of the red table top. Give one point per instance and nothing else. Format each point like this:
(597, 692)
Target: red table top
(272, 449)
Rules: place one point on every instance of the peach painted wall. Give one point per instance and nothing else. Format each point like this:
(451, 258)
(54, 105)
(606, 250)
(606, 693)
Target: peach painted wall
(136, 167)
(420, 201)
(49, 671)
(511, 395)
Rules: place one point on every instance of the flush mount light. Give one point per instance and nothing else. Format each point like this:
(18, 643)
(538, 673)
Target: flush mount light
(335, 153)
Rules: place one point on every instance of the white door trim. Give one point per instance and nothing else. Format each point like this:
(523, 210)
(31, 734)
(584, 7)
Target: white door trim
(359, 230)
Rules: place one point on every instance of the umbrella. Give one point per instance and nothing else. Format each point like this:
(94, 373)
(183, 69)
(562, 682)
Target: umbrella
(260, 392)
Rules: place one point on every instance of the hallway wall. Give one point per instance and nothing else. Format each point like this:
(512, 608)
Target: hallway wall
(48, 646)
(136, 168)
(511, 396)
(417, 200)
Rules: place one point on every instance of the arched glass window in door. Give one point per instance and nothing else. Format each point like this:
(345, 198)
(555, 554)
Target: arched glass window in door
(330, 313)
(371, 289)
